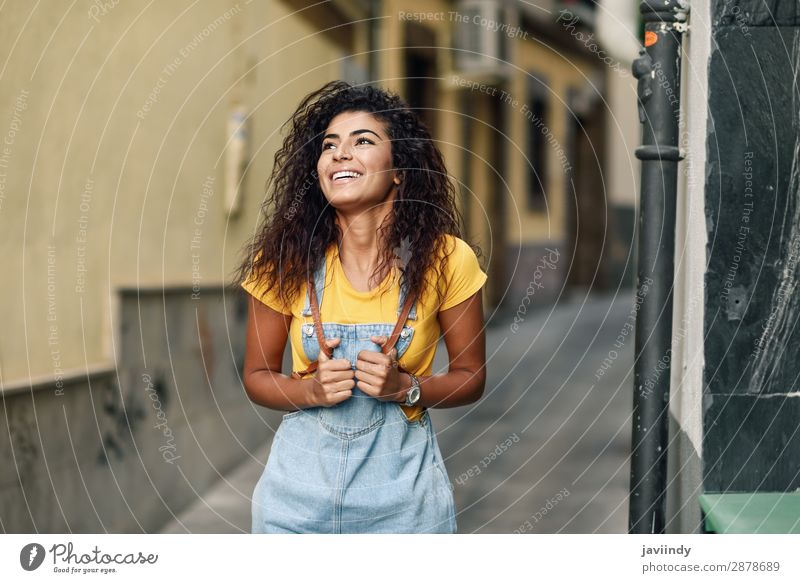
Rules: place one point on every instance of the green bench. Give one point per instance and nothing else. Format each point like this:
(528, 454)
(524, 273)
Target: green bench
(751, 512)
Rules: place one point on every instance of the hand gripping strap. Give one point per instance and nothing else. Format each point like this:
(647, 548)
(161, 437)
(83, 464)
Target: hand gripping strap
(387, 347)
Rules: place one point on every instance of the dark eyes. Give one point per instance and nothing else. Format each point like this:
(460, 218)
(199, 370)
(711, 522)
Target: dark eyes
(358, 141)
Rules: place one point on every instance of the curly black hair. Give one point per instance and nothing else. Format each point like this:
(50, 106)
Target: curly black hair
(299, 223)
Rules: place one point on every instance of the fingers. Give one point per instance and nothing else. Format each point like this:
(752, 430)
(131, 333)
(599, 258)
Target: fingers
(378, 357)
(332, 393)
(379, 369)
(375, 387)
(379, 340)
(337, 398)
(330, 343)
(345, 385)
(333, 363)
(376, 362)
(375, 357)
(334, 376)
(373, 371)
(370, 384)
(371, 379)
(376, 371)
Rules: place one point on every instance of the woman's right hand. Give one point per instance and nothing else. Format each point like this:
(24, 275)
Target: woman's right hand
(335, 378)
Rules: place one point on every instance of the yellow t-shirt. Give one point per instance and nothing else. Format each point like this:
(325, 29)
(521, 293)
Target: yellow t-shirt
(343, 304)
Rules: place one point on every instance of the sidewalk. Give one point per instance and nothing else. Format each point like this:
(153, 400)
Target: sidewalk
(559, 428)
(225, 507)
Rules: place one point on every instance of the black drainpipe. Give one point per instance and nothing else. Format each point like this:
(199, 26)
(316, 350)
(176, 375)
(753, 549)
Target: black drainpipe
(658, 72)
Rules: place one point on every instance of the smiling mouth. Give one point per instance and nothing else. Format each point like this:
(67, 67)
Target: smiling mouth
(345, 177)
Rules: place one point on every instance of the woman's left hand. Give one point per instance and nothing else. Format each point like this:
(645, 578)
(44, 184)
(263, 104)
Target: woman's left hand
(377, 373)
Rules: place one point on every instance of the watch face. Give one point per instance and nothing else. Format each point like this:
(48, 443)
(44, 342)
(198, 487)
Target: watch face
(413, 395)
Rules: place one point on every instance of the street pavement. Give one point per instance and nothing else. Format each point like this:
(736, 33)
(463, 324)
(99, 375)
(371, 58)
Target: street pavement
(544, 451)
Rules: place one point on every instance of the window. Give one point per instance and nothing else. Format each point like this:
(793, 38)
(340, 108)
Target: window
(537, 116)
(421, 73)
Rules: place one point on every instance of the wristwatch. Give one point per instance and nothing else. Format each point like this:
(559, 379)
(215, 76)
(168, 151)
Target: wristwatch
(413, 393)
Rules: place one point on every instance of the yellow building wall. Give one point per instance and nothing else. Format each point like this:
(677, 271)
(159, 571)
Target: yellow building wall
(97, 197)
(561, 73)
(449, 118)
(116, 118)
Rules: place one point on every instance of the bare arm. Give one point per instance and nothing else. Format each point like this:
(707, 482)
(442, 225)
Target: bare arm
(464, 382)
(267, 332)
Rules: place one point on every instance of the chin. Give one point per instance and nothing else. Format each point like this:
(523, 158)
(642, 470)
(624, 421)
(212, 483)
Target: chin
(351, 199)
(358, 195)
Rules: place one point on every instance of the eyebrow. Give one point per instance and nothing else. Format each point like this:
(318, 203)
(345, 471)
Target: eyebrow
(353, 133)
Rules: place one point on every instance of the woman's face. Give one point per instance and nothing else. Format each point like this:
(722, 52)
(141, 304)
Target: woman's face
(356, 141)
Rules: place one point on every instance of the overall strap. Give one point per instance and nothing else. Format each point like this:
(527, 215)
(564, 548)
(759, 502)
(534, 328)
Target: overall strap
(401, 320)
(318, 322)
(316, 288)
(387, 347)
(314, 308)
(410, 300)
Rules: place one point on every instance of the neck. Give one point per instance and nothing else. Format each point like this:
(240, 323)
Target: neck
(360, 249)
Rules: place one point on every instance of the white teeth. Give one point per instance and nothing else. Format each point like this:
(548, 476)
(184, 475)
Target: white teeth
(346, 174)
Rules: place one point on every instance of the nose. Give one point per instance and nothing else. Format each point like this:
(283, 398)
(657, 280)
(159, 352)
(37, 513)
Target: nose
(342, 152)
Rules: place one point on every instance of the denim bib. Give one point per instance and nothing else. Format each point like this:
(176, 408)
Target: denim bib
(359, 466)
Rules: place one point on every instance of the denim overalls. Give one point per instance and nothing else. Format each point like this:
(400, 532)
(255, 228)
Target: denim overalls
(360, 466)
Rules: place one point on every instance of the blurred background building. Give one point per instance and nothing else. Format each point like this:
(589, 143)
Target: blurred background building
(137, 142)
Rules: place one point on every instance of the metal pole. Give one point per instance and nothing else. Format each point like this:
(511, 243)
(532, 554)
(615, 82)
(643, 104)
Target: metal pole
(658, 71)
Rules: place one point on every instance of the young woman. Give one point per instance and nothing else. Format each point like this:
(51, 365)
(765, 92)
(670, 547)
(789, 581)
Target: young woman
(360, 265)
